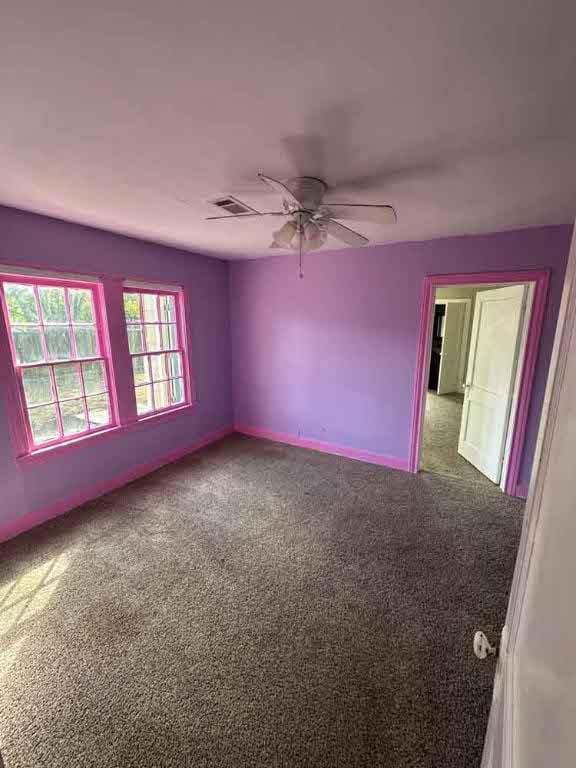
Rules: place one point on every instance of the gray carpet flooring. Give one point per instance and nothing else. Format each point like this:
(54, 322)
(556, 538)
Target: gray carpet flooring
(256, 605)
(440, 440)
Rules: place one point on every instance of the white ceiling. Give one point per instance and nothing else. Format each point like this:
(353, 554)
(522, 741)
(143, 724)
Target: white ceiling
(130, 114)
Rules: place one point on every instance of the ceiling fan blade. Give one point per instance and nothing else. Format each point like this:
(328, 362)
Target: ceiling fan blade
(379, 214)
(245, 215)
(281, 189)
(344, 234)
(389, 173)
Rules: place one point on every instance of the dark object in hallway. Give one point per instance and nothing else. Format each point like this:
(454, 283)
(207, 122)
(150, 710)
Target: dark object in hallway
(256, 605)
(436, 350)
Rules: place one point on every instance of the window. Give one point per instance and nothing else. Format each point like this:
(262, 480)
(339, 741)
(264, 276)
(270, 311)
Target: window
(62, 357)
(155, 340)
(58, 358)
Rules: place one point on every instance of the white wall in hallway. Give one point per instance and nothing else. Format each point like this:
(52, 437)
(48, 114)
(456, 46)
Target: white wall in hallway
(467, 292)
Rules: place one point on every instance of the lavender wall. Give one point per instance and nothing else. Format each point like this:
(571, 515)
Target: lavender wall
(27, 239)
(332, 357)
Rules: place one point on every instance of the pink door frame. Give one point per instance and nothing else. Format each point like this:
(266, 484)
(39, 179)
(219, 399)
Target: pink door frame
(540, 278)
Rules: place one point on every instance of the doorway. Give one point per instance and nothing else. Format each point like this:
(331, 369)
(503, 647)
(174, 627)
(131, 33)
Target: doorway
(478, 342)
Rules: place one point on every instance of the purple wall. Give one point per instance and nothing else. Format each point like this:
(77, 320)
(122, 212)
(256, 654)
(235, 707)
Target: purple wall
(32, 240)
(332, 357)
(329, 358)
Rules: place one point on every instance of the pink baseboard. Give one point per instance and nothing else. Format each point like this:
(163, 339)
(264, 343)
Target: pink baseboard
(25, 523)
(317, 445)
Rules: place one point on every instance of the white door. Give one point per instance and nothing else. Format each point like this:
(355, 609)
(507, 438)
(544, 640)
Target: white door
(492, 361)
(449, 374)
(532, 718)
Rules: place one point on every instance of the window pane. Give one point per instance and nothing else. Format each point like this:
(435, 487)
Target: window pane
(150, 307)
(132, 307)
(37, 385)
(176, 391)
(151, 326)
(58, 343)
(169, 337)
(28, 344)
(135, 339)
(44, 423)
(158, 367)
(67, 378)
(144, 399)
(174, 365)
(141, 369)
(167, 309)
(73, 417)
(51, 326)
(53, 304)
(81, 309)
(161, 395)
(98, 410)
(21, 303)
(86, 344)
(152, 337)
(94, 377)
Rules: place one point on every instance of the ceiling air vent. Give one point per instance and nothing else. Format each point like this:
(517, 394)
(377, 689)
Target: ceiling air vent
(231, 205)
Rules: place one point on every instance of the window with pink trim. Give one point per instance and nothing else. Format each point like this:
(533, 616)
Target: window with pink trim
(59, 358)
(156, 343)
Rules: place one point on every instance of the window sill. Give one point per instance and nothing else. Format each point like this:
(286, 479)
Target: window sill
(42, 455)
(165, 415)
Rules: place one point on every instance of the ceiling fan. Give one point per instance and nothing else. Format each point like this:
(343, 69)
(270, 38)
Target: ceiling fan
(309, 220)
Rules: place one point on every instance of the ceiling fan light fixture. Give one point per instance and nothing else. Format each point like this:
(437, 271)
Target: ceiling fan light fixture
(311, 231)
(314, 236)
(284, 237)
(300, 242)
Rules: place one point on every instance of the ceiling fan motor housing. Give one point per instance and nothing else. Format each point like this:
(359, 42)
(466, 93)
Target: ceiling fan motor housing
(307, 190)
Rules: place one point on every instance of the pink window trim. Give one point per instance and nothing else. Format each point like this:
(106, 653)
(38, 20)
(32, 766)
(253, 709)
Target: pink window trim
(181, 348)
(20, 424)
(118, 361)
(52, 274)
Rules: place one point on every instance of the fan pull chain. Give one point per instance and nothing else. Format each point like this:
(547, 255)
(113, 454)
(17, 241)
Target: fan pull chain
(300, 273)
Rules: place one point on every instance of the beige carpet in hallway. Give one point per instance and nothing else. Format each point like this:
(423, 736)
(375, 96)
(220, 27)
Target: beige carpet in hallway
(440, 440)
